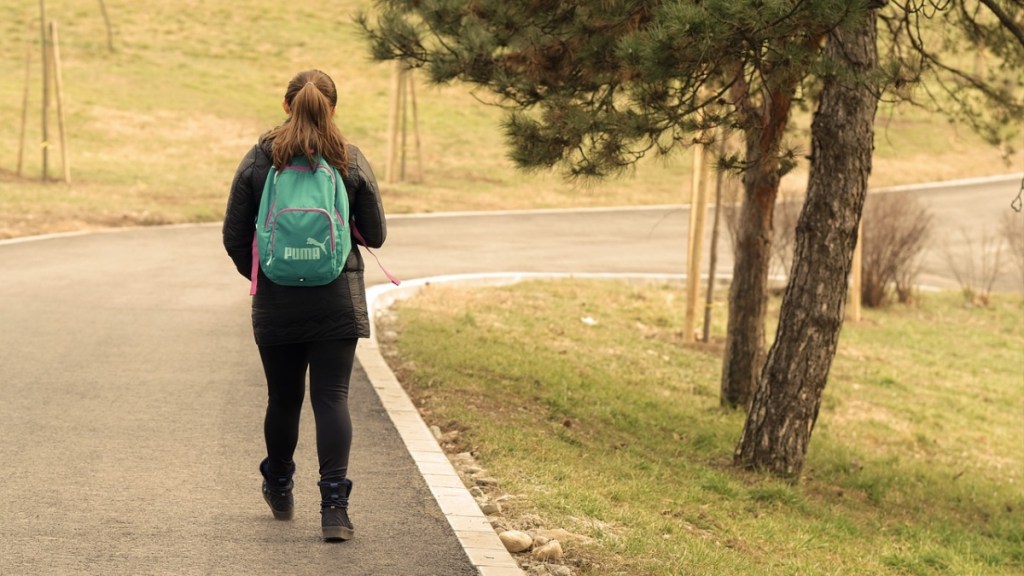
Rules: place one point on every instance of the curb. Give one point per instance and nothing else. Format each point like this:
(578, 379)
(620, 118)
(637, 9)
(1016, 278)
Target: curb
(475, 533)
(476, 536)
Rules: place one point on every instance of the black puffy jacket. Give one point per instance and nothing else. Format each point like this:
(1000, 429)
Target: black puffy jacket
(286, 314)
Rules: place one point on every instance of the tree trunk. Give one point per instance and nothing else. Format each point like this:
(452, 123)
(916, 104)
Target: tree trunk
(786, 402)
(748, 293)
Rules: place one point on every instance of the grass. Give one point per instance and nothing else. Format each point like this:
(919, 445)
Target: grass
(613, 431)
(156, 128)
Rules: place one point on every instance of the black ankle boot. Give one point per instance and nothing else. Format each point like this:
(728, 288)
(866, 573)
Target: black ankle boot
(334, 509)
(277, 491)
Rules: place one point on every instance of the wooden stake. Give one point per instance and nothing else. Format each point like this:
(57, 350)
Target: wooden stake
(404, 123)
(713, 262)
(403, 94)
(59, 84)
(110, 32)
(856, 274)
(46, 90)
(24, 108)
(416, 128)
(698, 211)
(390, 172)
(698, 158)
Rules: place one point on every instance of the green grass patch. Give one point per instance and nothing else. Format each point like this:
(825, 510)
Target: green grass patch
(611, 428)
(156, 128)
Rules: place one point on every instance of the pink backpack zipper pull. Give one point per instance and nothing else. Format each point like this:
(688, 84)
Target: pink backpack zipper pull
(255, 273)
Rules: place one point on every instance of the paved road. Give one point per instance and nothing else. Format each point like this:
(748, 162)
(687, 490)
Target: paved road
(965, 218)
(131, 397)
(654, 239)
(131, 404)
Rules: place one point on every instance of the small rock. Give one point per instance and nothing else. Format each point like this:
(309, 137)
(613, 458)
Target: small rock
(550, 552)
(515, 541)
(539, 540)
(531, 521)
(436, 432)
(558, 570)
(561, 535)
(472, 470)
(477, 492)
(464, 458)
(490, 508)
(485, 481)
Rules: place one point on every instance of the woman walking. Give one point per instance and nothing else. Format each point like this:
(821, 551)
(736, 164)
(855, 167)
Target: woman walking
(300, 328)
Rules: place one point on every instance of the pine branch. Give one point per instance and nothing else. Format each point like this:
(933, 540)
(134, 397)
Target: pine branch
(1005, 20)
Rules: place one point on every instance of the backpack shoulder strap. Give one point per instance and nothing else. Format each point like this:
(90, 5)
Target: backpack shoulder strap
(266, 202)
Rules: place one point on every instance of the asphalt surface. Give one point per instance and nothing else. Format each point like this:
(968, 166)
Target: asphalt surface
(131, 396)
(653, 240)
(967, 228)
(131, 417)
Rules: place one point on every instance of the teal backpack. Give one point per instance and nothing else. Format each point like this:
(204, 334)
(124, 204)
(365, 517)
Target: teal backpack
(302, 230)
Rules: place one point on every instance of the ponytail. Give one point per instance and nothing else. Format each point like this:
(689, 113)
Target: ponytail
(310, 129)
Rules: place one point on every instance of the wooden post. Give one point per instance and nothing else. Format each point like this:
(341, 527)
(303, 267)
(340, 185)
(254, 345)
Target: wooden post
(713, 259)
(46, 90)
(694, 184)
(24, 108)
(856, 276)
(59, 85)
(698, 211)
(110, 32)
(404, 105)
(390, 172)
(416, 127)
(403, 95)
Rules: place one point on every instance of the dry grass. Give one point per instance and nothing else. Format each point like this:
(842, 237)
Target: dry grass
(156, 128)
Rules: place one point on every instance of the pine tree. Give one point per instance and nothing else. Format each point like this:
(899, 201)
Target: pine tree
(592, 87)
(786, 401)
(595, 86)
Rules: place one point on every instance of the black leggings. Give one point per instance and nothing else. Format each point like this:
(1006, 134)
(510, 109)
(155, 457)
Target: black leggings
(330, 369)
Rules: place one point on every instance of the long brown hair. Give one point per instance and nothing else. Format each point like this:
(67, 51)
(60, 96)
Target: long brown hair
(311, 97)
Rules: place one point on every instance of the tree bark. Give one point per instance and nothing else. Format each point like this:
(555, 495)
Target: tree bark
(748, 292)
(785, 404)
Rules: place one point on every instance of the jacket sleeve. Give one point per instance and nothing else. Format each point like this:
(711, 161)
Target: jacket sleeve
(240, 215)
(367, 208)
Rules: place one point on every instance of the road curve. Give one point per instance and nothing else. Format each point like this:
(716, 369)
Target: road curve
(653, 239)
